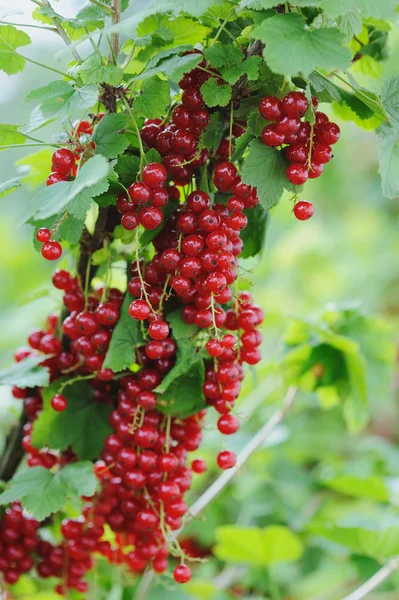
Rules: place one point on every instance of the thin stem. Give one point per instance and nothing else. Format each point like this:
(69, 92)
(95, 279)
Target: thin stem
(87, 282)
(39, 64)
(231, 130)
(8, 146)
(74, 379)
(116, 16)
(105, 7)
(29, 25)
(142, 282)
(371, 584)
(223, 25)
(129, 58)
(29, 137)
(112, 56)
(61, 31)
(140, 141)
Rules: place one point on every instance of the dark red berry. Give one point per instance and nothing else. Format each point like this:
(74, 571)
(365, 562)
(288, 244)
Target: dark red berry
(303, 210)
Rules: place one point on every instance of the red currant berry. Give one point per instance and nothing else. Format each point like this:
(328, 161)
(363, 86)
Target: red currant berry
(129, 221)
(297, 153)
(322, 153)
(43, 235)
(328, 134)
(295, 104)
(272, 137)
(297, 173)
(224, 174)
(154, 175)
(182, 574)
(226, 460)
(303, 210)
(192, 98)
(63, 160)
(198, 465)
(228, 424)
(55, 178)
(214, 348)
(270, 108)
(150, 217)
(139, 309)
(59, 403)
(51, 250)
(139, 192)
(158, 329)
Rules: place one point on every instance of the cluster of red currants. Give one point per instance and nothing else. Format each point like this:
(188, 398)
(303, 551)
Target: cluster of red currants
(308, 147)
(18, 540)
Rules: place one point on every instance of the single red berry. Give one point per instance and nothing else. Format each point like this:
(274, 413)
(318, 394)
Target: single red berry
(270, 108)
(139, 309)
(321, 153)
(328, 133)
(59, 403)
(43, 235)
(150, 217)
(297, 153)
(303, 210)
(315, 170)
(129, 221)
(192, 98)
(183, 142)
(139, 192)
(287, 125)
(55, 178)
(198, 201)
(154, 175)
(159, 197)
(149, 134)
(198, 465)
(321, 118)
(182, 574)
(51, 250)
(181, 116)
(297, 173)
(226, 460)
(224, 175)
(63, 160)
(272, 137)
(228, 424)
(214, 348)
(158, 329)
(295, 104)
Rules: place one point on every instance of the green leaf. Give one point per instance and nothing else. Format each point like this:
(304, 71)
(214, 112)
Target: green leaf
(192, 7)
(390, 99)
(173, 67)
(26, 373)
(179, 328)
(324, 89)
(291, 48)
(127, 168)
(368, 8)
(372, 487)
(257, 546)
(9, 186)
(250, 68)
(59, 99)
(71, 229)
(389, 161)
(222, 55)
(184, 396)
(264, 168)
(35, 167)
(107, 137)
(254, 234)
(213, 134)
(126, 338)
(379, 542)
(10, 39)
(214, 94)
(100, 256)
(42, 492)
(83, 425)
(154, 98)
(94, 172)
(92, 70)
(186, 357)
(9, 134)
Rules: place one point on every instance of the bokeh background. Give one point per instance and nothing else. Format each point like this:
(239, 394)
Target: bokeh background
(348, 252)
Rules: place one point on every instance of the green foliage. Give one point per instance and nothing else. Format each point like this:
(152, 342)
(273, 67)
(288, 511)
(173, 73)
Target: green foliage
(83, 425)
(256, 546)
(9, 186)
(390, 99)
(26, 373)
(126, 338)
(213, 134)
(292, 48)
(9, 134)
(93, 70)
(11, 38)
(389, 161)
(183, 396)
(43, 492)
(215, 94)
(109, 140)
(270, 180)
(153, 99)
(254, 234)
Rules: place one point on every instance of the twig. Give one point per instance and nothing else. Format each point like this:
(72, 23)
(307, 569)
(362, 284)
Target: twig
(13, 451)
(374, 581)
(61, 31)
(116, 16)
(221, 482)
(104, 6)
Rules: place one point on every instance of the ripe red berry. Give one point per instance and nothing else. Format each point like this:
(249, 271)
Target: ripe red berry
(182, 574)
(321, 153)
(215, 348)
(129, 221)
(328, 133)
(63, 160)
(303, 210)
(272, 137)
(51, 250)
(139, 192)
(43, 235)
(150, 217)
(224, 174)
(295, 104)
(270, 108)
(158, 329)
(226, 459)
(228, 424)
(59, 403)
(154, 175)
(297, 173)
(139, 309)
(55, 178)
(198, 465)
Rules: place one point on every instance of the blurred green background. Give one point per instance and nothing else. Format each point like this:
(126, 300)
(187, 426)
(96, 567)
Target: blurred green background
(348, 252)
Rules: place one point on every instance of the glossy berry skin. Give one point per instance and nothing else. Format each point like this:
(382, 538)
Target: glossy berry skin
(192, 98)
(270, 108)
(51, 250)
(59, 403)
(43, 235)
(297, 173)
(150, 217)
(322, 153)
(55, 178)
(225, 174)
(154, 175)
(198, 465)
(328, 133)
(158, 329)
(272, 137)
(228, 424)
(295, 104)
(129, 221)
(139, 193)
(226, 460)
(182, 574)
(139, 309)
(303, 210)
(63, 160)
(297, 153)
